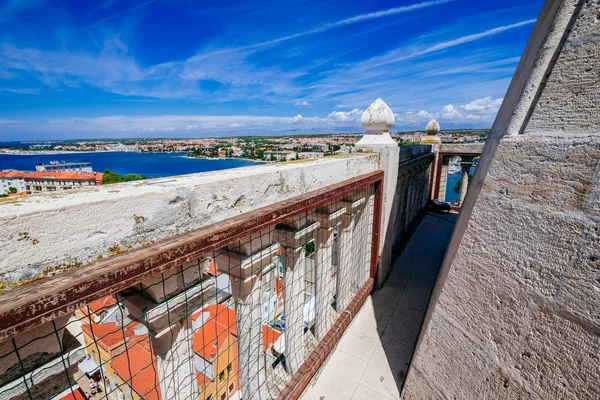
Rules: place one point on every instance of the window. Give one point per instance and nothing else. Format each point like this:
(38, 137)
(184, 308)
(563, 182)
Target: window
(222, 376)
(224, 396)
(229, 368)
(231, 388)
(209, 397)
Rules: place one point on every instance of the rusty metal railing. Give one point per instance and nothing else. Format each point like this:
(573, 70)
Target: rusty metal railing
(247, 307)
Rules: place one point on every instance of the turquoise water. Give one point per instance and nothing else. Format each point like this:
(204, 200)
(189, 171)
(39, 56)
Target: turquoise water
(151, 165)
(451, 195)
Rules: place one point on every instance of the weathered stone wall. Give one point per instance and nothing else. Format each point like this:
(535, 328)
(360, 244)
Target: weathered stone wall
(515, 312)
(45, 234)
(412, 194)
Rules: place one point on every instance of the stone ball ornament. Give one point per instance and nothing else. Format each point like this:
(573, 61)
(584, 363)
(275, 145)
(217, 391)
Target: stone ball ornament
(378, 117)
(432, 128)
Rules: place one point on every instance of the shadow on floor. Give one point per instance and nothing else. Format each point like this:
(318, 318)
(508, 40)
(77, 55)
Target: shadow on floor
(400, 305)
(372, 357)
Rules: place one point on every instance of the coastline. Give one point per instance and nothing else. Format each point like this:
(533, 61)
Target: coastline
(52, 152)
(226, 158)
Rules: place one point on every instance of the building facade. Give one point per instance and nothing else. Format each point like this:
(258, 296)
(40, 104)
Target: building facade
(44, 181)
(286, 155)
(11, 179)
(55, 166)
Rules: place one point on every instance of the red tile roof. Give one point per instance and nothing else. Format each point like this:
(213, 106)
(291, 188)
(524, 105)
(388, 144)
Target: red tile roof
(212, 335)
(70, 176)
(209, 339)
(76, 394)
(137, 366)
(212, 268)
(100, 305)
(202, 379)
(110, 336)
(270, 336)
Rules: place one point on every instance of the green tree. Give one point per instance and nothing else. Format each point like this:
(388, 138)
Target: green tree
(457, 186)
(12, 190)
(109, 177)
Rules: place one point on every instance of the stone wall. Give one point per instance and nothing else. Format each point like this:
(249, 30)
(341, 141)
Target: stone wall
(45, 234)
(515, 313)
(410, 200)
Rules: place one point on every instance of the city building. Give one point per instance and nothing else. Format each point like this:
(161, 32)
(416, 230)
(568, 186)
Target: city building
(309, 154)
(136, 372)
(12, 179)
(319, 146)
(104, 343)
(281, 155)
(55, 166)
(43, 181)
(216, 352)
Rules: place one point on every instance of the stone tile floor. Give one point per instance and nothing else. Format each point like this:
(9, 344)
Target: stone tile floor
(372, 358)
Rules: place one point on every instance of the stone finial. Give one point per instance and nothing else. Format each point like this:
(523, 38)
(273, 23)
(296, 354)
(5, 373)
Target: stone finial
(432, 128)
(377, 117)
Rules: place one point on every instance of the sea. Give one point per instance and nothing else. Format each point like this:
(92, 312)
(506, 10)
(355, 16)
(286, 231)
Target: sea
(151, 165)
(451, 194)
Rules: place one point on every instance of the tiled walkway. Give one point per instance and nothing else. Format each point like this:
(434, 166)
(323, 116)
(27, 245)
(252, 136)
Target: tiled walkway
(372, 358)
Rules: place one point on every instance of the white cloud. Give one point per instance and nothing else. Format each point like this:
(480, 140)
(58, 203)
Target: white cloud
(302, 103)
(481, 111)
(345, 116)
(225, 74)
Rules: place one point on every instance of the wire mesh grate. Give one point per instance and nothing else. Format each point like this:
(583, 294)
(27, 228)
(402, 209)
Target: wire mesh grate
(237, 323)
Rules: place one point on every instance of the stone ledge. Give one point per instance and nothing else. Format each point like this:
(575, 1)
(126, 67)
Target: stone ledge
(55, 233)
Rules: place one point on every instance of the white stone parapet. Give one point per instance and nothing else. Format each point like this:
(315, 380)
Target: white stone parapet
(59, 231)
(377, 120)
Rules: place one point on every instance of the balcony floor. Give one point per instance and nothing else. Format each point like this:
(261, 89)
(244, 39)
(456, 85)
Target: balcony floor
(372, 358)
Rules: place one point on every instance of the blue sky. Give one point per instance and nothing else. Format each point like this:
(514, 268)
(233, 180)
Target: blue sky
(185, 68)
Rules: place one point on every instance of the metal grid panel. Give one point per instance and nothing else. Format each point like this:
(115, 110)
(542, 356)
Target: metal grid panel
(251, 316)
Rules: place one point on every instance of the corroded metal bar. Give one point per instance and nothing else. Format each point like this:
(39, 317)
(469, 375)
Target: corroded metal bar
(27, 307)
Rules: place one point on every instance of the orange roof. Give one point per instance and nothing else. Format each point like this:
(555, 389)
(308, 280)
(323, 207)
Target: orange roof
(202, 379)
(10, 174)
(71, 176)
(74, 395)
(139, 360)
(279, 286)
(212, 268)
(270, 336)
(100, 305)
(212, 335)
(110, 336)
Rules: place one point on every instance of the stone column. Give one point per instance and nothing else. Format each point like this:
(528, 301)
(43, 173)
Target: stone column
(245, 262)
(361, 249)
(465, 165)
(293, 238)
(432, 138)
(325, 286)
(251, 356)
(345, 273)
(377, 120)
(165, 304)
(367, 237)
(443, 178)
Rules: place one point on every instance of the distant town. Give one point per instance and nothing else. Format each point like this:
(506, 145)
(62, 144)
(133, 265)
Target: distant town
(265, 148)
(56, 176)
